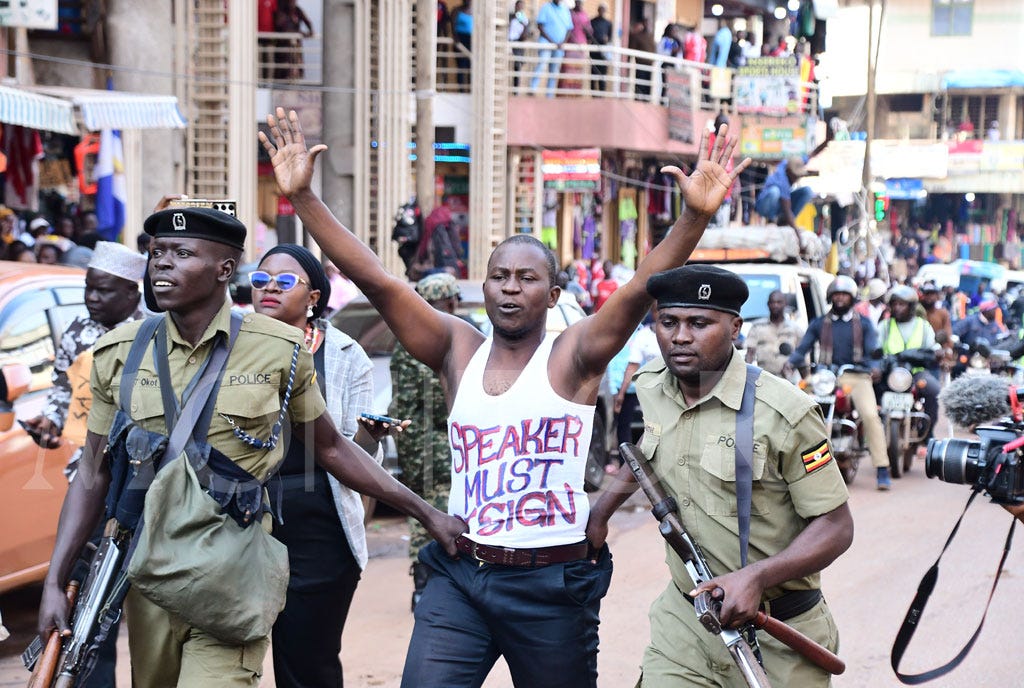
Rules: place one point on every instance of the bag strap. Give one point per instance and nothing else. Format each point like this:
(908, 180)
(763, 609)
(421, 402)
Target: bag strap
(201, 393)
(744, 458)
(825, 341)
(924, 591)
(131, 364)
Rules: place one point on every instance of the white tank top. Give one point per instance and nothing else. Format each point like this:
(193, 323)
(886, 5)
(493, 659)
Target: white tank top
(518, 458)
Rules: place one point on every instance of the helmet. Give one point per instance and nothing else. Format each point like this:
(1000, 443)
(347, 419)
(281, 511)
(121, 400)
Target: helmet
(844, 284)
(903, 293)
(876, 289)
(930, 287)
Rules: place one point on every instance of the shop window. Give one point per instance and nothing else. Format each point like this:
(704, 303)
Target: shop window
(906, 102)
(953, 111)
(952, 17)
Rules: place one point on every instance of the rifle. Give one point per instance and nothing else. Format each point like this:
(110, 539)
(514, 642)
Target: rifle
(102, 589)
(705, 606)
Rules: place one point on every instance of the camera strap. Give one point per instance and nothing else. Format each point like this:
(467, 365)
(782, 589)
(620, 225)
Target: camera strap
(924, 591)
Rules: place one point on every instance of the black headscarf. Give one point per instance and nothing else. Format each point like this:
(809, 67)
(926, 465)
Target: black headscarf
(313, 269)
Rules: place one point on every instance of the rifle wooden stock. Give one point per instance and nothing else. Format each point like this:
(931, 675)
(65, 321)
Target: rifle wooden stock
(798, 642)
(42, 676)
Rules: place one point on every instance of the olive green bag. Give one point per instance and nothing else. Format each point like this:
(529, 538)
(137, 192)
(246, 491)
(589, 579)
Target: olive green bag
(195, 561)
(200, 550)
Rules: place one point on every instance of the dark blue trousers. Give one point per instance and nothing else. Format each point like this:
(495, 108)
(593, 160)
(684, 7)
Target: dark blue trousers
(543, 621)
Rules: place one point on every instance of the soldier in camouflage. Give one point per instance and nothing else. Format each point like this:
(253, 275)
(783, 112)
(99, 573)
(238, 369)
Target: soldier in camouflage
(424, 453)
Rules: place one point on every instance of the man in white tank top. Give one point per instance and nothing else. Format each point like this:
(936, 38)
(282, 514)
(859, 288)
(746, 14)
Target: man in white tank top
(532, 570)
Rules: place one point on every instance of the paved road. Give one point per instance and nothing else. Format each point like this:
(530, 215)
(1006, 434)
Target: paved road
(898, 536)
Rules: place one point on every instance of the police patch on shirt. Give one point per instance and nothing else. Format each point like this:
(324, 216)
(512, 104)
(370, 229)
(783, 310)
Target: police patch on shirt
(817, 457)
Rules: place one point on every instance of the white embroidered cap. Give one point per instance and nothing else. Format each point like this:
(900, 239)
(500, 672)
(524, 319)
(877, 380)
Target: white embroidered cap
(118, 260)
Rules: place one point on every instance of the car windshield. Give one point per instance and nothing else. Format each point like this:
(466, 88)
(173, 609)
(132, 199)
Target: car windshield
(760, 287)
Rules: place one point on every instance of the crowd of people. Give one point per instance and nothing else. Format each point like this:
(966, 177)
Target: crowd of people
(519, 564)
(33, 238)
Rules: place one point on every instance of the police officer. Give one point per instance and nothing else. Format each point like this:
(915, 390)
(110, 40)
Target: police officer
(800, 521)
(424, 453)
(193, 255)
(903, 330)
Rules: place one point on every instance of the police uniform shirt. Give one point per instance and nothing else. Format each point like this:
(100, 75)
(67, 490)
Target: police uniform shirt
(692, 450)
(252, 385)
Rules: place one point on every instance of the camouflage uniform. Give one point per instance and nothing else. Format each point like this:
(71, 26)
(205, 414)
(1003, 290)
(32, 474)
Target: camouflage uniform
(424, 453)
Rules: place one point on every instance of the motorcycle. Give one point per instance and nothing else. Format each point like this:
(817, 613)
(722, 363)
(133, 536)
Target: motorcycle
(984, 358)
(842, 422)
(902, 407)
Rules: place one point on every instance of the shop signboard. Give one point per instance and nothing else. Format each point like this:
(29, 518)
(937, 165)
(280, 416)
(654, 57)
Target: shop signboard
(1002, 156)
(768, 86)
(572, 170)
(31, 14)
(773, 139)
(683, 94)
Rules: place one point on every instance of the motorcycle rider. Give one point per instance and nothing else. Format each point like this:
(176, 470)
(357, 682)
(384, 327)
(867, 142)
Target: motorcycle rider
(981, 325)
(903, 330)
(844, 337)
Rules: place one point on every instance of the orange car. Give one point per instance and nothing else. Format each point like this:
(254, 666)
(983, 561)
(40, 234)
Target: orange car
(37, 302)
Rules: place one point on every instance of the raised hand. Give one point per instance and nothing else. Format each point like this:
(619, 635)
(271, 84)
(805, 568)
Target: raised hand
(293, 162)
(705, 188)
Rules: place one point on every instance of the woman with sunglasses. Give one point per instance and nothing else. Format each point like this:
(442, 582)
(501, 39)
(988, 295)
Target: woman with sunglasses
(323, 520)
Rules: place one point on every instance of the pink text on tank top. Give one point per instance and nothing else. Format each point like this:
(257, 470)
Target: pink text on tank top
(518, 458)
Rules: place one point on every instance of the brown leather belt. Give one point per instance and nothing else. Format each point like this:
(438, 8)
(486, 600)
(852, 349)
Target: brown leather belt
(523, 558)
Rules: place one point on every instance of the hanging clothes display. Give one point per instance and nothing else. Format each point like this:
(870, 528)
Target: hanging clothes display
(627, 230)
(24, 149)
(549, 220)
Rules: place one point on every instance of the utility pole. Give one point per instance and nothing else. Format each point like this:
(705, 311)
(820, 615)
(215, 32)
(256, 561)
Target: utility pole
(426, 83)
(870, 126)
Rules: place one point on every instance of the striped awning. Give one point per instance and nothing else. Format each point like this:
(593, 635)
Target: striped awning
(35, 111)
(119, 109)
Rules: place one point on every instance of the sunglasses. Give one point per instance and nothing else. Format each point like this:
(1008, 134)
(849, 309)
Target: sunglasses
(285, 281)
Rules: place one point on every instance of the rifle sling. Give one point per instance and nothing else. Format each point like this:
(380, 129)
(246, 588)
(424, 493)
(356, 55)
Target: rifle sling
(744, 459)
(924, 591)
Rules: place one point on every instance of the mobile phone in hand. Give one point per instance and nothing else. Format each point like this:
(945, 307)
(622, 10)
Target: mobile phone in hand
(32, 432)
(381, 419)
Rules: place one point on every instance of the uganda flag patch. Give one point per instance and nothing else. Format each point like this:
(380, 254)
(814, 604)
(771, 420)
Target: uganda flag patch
(816, 457)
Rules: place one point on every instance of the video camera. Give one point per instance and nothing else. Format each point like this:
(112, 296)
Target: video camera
(991, 463)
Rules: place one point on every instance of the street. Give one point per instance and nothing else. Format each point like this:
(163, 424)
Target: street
(898, 536)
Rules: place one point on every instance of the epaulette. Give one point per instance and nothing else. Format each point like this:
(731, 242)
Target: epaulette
(653, 367)
(118, 335)
(791, 402)
(264, 324)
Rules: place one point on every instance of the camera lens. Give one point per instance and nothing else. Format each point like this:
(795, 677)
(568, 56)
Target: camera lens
(953, 460)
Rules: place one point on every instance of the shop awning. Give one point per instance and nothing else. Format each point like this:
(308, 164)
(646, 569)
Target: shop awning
(983, 78)
(35, 111)
(119, 109)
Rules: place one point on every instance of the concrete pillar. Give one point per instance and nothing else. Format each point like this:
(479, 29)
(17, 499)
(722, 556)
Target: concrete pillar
(343, 101)
(241, 171)
(139, 34)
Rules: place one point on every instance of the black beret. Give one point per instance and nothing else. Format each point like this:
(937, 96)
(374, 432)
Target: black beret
(699, 286)
(197, 223)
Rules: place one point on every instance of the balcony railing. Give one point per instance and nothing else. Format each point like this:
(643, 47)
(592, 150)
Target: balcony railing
(586, 72)
(290, 58)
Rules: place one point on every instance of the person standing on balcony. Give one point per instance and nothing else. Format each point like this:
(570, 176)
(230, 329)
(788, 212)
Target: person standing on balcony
(518, 26)
(721, 45)
(463, 23)
(289, 18)
(554, 22)
(695, 46)
(601, 35)
(641, 38)
(574, 68)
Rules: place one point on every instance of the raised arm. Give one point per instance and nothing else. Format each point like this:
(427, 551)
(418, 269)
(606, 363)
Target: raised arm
(425, 332)
(599, 337)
